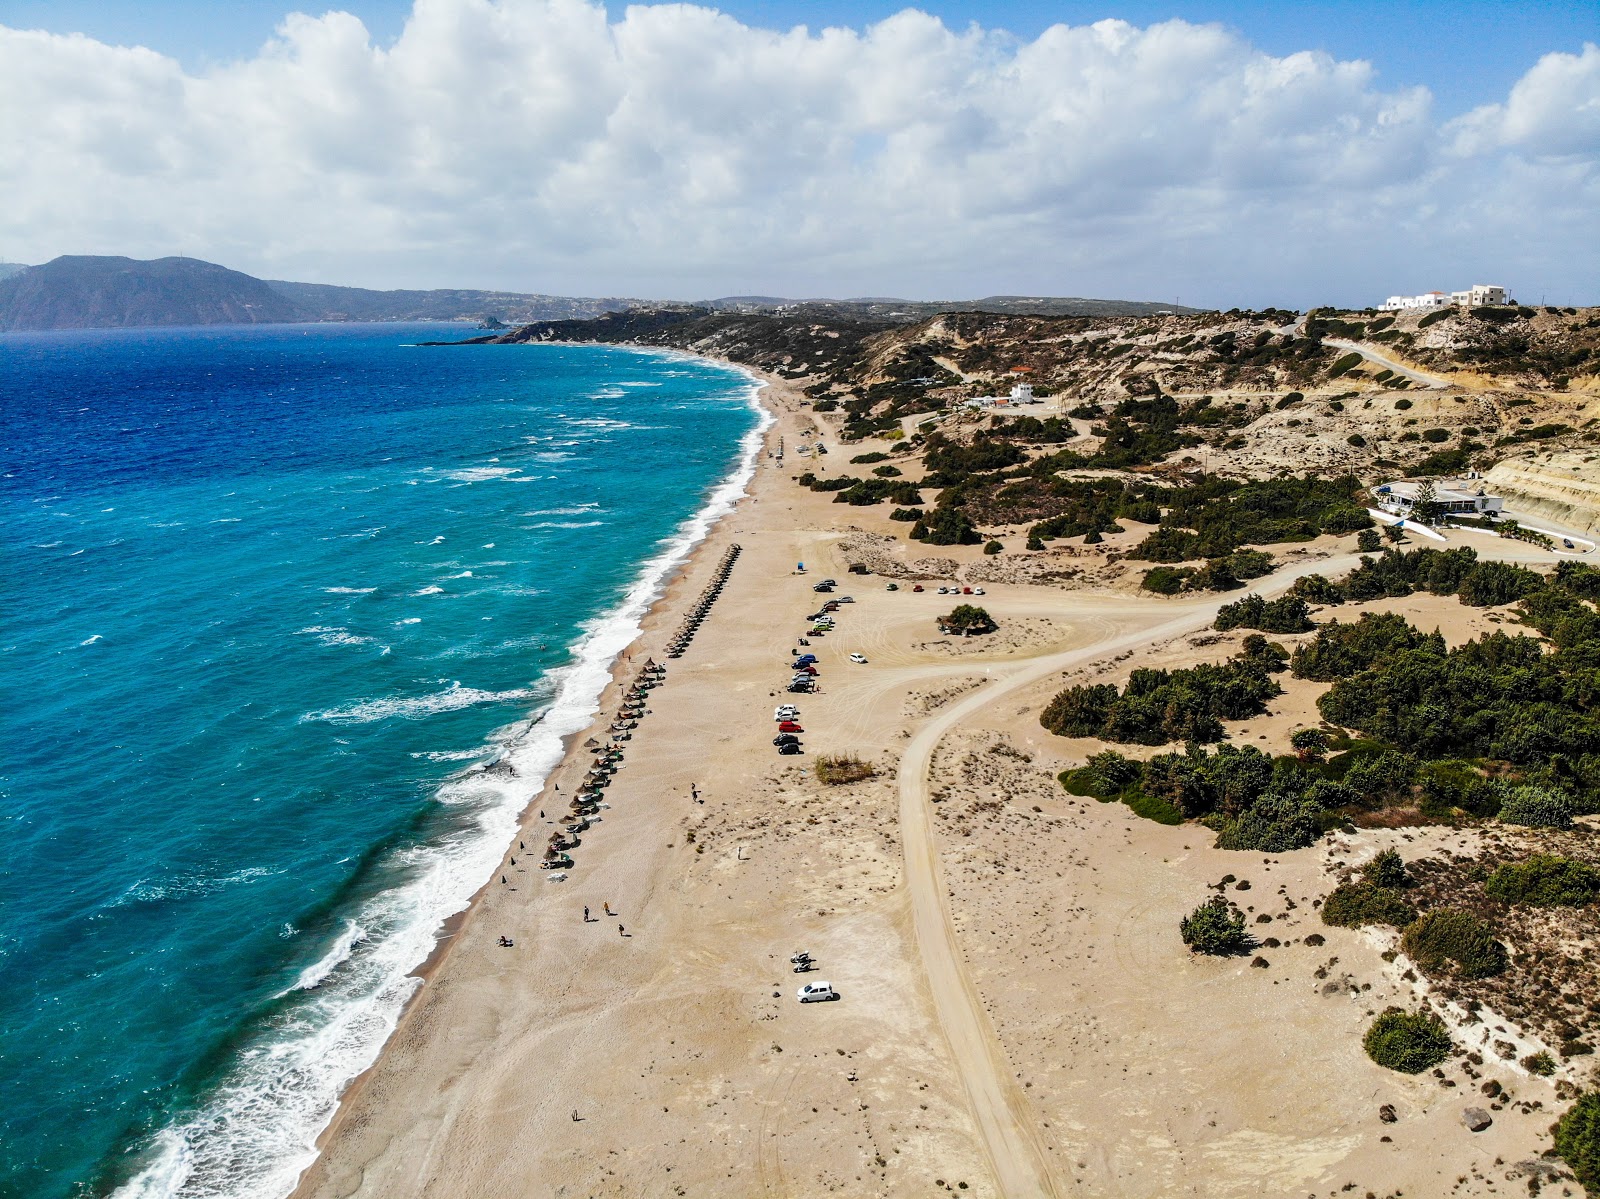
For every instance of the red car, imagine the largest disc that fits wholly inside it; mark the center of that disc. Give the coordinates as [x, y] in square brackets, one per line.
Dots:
[790, 726]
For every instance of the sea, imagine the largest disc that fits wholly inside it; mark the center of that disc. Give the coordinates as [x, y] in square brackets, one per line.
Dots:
[273, 598]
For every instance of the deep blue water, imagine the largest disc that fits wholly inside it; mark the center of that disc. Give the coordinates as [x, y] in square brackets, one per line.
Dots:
[270, 594]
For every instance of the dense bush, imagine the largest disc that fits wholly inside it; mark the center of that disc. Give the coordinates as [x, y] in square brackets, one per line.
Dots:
[1217, 516]
[1545, 880]
[1340, 650]
[1287, 615]
[1407, 1042]
[1158, 706]
[1536, 807]
[1355, 904]
[1489, 584]
[1315, 589]
[1275, 823]
[967, 618]
[1215, 927]
[910, 514]
[947, 526]
[1453, 940]
[1577, 1141]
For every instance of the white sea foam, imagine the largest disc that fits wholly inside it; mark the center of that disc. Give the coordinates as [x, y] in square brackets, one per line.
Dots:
[428, 591]
[410, 707]
[564, 524]
[333, 635]
[478, 474]
[409, 620]
[257, 1132]
[341, 949]
[89, 640]
[638, 385]
[574, 510]
[349, 590]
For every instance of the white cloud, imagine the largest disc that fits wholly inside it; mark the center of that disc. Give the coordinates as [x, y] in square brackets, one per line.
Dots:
[533, 144]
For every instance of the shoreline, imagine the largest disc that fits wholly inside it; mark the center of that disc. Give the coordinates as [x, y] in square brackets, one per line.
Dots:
[730, 491]
[521, 767]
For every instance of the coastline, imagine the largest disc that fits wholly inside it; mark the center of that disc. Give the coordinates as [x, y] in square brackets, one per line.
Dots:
[528, 757]
[668, 1056]
[654, 594]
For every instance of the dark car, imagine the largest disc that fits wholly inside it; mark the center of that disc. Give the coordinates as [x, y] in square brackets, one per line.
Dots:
[786, 739]
[790, 749]
[799, 687]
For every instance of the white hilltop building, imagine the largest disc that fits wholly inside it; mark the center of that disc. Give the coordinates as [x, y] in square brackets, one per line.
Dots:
[1451, 497]
[1479, 295]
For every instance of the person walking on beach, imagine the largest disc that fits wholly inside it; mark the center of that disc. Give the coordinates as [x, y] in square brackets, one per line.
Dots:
[621, 932]
[586, 913]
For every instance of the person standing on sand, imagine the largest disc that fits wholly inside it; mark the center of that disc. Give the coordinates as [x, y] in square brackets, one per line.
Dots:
[586, 913]
[620, 931]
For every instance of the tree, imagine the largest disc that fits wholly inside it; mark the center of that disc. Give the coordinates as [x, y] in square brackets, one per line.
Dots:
[1407, 1042]
[1578, 1140]
[1368, 541]
[967, 618]
[1215, 927]
[1426, 509]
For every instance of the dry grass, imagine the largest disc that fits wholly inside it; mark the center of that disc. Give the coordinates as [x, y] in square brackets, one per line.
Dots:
[837, 769]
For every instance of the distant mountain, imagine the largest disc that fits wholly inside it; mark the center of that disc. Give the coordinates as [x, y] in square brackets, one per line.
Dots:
[89, 292]
[329, 303]
[84, 292]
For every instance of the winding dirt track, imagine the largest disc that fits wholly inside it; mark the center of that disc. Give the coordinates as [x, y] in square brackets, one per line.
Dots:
[1011, 1140]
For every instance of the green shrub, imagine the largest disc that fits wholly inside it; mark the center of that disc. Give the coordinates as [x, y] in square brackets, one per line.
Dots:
[992, 547]
[907, 514]
[1577, 1140]
[1489, 584]
[1545, 880]
[1402, 405]
[1540, 1063]
[1275, 823]
[1435, 436]
[1449, 939]
[1163, 580]
[1356, 440]
[1315, 589]
[1388, 869]
[1287, 615]
[1344, 364]
[1153, 808]
[1536, 807]
[1368, 541]
[887, 472]
[1215, 927]
[1407, 1042]
[864, 459]
[1355, 904]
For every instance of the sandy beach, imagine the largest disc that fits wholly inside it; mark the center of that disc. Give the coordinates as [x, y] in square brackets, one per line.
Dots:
[1017, 1013]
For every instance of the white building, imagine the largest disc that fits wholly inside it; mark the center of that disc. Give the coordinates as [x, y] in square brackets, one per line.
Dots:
[1022, 393]
[1478, 295]
[1456, 498]
[1429, 299]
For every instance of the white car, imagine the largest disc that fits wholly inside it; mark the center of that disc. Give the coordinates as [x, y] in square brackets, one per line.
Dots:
[786, 712]
[859, 659]
[944, 591]
[979, 591]
[847, 599]
[816, 993]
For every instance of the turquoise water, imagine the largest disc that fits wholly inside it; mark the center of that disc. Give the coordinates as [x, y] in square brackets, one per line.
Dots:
[271, 596]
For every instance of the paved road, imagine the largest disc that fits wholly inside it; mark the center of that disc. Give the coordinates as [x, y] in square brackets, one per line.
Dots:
[1381, 359]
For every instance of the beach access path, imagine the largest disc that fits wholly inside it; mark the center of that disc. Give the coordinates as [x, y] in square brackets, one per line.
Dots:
[659, 1050]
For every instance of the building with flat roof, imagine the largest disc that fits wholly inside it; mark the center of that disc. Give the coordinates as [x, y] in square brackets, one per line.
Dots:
[1479, 295]
[1455, 497]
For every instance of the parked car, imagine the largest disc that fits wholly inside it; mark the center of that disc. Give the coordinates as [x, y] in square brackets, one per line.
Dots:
[979, 591]
[918, 587]
[797, 688]
[790, 726]
[966, 591]
[786, 739]
[805, 659]
[892, 587]
[823, 587]
[807, 669]
[845, 599]
[816, 993]
[859, 659]
[790, 749]
[831, 582]
[944, 591]
[785, 712]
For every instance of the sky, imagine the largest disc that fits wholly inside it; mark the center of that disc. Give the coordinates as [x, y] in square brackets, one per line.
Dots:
[1213, 154]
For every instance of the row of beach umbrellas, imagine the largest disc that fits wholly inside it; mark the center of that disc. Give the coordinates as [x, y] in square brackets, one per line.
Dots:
[702, 606]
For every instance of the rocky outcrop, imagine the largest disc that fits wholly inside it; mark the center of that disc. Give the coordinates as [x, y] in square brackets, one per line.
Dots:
[1563, 487]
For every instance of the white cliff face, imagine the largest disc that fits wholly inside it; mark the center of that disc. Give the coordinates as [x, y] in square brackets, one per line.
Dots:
[1563, 487]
